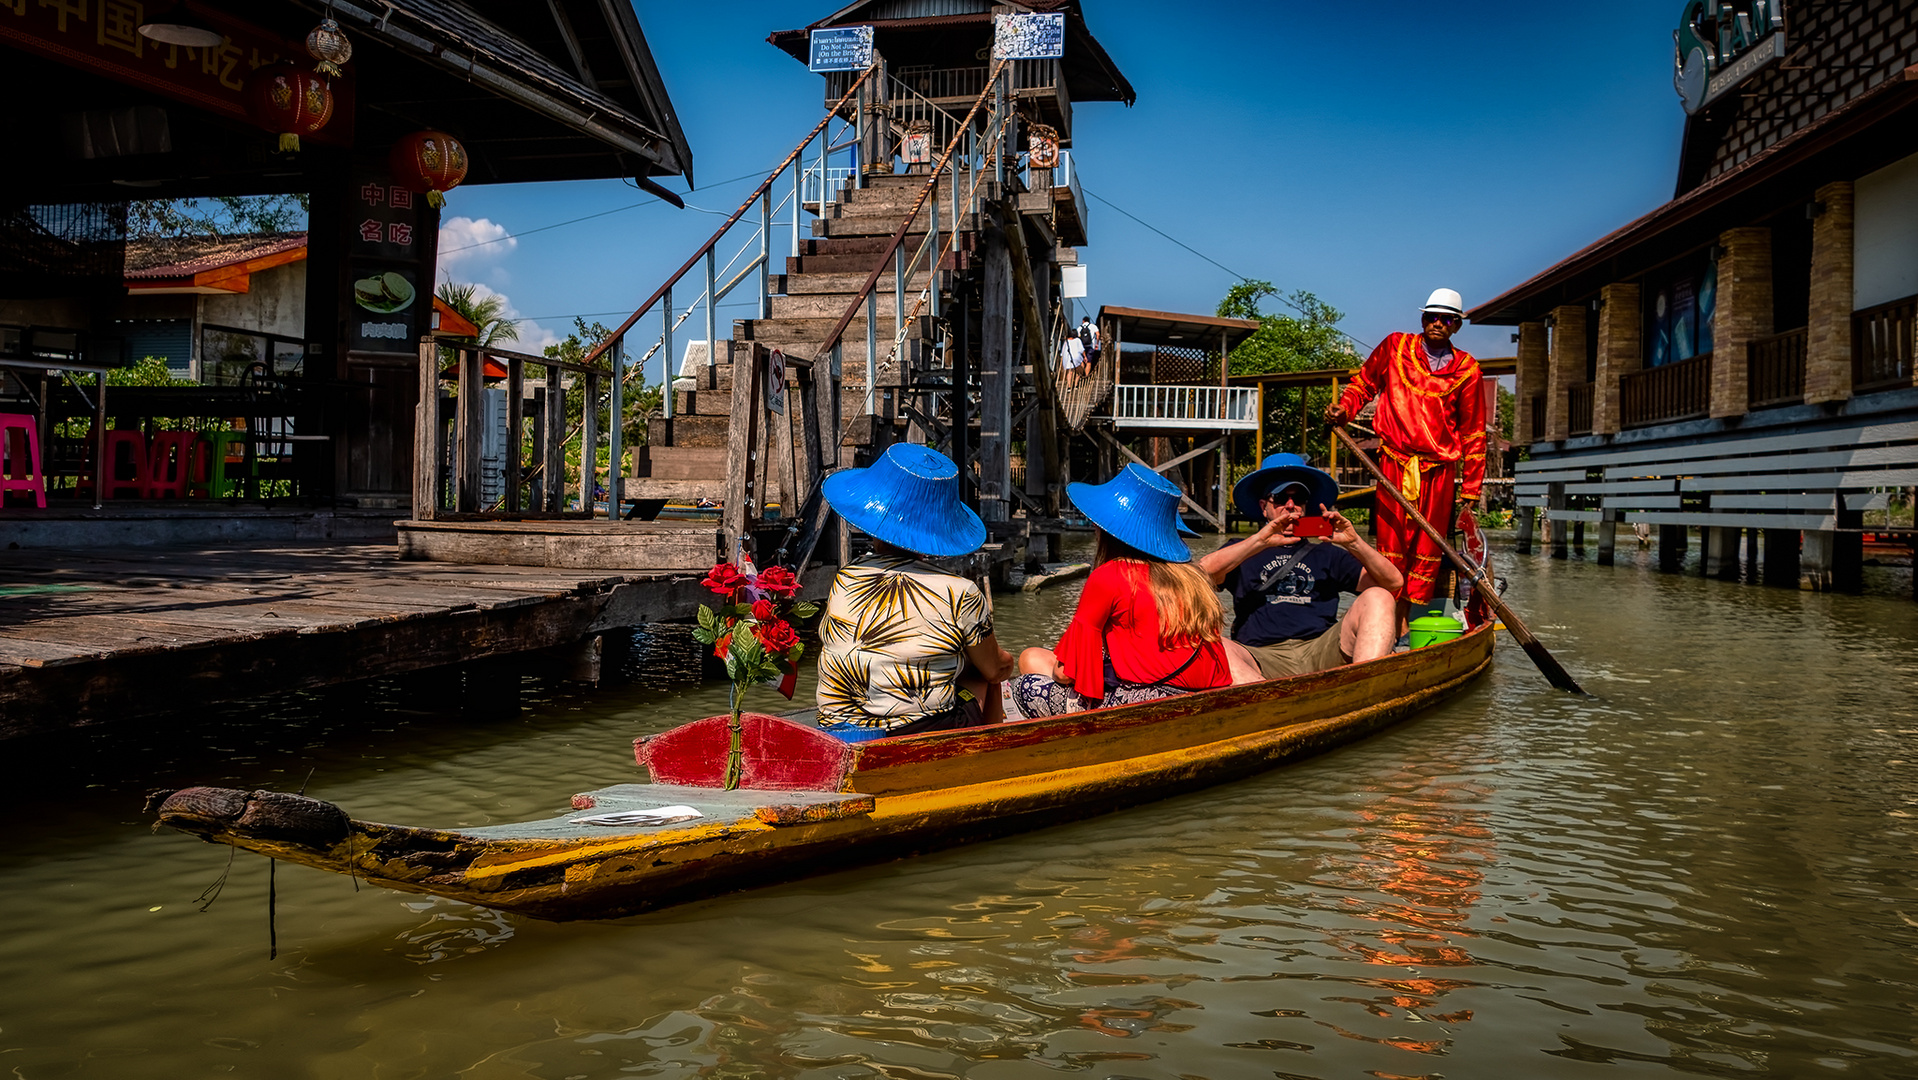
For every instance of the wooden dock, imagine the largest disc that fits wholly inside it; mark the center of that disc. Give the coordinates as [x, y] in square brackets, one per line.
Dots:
[110, 634]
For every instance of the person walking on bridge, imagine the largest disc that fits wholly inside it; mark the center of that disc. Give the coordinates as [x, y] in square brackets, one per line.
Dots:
[1431, 429]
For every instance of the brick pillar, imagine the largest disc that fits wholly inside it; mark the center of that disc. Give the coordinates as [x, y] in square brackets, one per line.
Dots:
[1530, 380]
[1743, 313]
[1621, 351]
[1828, 333]
[1564, 369]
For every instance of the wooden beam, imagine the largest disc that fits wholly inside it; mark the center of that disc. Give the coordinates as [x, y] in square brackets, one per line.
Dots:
[1184, 499]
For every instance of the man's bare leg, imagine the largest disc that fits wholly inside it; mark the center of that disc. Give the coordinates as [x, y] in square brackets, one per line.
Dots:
[1371, 625]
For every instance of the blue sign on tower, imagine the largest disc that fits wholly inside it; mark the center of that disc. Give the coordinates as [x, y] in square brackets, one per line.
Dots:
[841, 48]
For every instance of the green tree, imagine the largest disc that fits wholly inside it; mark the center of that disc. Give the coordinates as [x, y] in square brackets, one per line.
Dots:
[486, 312]
[1309, 340]
[216, 215]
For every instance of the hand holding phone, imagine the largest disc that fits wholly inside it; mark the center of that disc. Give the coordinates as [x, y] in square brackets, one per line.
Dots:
[1315, 525]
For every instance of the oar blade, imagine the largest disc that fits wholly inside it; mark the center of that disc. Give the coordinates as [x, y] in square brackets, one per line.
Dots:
[1549, 666]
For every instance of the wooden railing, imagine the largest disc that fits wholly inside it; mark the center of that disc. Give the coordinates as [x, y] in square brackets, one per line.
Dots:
[1538, 417]
[1673, 392]
[1776, 369]
[1580, 403]
[1882, 344]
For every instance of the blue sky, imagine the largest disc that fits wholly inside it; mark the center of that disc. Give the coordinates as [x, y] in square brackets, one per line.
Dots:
[1365, 152]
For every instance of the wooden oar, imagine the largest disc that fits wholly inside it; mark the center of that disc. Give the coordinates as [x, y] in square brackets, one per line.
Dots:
[1553, 671]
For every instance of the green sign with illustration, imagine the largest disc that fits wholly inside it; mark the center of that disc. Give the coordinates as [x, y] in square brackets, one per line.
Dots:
[1721, 43]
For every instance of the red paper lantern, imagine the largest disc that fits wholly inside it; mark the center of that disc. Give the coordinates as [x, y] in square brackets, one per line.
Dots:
[429, 161]
[289, 100]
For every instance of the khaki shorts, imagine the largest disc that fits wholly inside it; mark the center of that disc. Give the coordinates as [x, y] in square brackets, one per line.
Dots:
[1300, 656]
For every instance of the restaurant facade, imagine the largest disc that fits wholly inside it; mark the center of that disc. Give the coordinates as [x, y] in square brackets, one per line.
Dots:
[1739, 360]
[373, 114]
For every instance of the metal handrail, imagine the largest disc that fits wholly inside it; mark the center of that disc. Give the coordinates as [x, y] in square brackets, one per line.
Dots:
[733, 219]
[862, 296]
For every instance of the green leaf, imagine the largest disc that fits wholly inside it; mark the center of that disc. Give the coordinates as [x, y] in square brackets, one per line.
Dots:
[793, 654]
[735, 670]
[706, 620]
[805, 609]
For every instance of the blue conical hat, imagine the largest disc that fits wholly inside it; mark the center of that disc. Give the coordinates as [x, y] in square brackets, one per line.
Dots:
[1138, 508]
[909, 498]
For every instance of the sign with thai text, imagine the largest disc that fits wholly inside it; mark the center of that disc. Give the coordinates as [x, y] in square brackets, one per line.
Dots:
[840, 48]
[1029, 37]
[103, 36]
[1721, 43]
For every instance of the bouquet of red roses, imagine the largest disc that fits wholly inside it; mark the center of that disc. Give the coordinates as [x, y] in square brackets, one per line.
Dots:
[750, 631]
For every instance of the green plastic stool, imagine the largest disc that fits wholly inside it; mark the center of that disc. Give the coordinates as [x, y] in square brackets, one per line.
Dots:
[220, 483]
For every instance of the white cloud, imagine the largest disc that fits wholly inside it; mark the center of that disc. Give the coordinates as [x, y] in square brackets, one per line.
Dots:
[465, 240]
[533, 338]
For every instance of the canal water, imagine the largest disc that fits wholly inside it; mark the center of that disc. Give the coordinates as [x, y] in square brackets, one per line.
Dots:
[1705, 869]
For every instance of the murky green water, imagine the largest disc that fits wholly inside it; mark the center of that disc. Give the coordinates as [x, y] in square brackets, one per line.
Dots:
[1708, 869]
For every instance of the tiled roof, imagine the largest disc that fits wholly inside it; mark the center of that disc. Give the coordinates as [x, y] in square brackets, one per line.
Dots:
[183, 257]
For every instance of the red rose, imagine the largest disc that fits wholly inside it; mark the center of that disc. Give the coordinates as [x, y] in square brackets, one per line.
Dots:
[777, 580]
[724, 579]
[763, 610]
[777, 636]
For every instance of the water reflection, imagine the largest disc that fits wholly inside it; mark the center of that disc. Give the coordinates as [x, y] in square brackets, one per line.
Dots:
[1704, 870]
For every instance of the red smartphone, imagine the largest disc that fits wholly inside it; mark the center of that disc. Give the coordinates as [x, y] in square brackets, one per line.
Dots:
[1312, 526]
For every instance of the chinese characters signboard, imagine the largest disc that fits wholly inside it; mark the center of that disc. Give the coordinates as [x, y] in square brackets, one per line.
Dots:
[102, 36]
[843, 48]
[388, 260]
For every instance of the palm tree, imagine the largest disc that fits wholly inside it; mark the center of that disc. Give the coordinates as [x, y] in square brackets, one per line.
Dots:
[487, 313]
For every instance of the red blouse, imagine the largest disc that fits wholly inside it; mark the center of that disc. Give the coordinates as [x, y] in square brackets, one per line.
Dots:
[1116, 610]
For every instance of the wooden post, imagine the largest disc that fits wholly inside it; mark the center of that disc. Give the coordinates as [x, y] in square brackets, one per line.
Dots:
[1607, 537]
[744, 452]
[588, 443]
[1672, 542]
[466, 463]
[1781, 558]
[426, 435]
[615, 429]
[552, 480]
[961, 363]
[995, 379]
[515, 422]
[1555, 500]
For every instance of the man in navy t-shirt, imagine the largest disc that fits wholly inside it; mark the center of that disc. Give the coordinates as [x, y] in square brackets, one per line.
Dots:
[1286, 588]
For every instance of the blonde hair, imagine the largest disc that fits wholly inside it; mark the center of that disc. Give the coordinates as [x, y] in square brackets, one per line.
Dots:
[1188, 603]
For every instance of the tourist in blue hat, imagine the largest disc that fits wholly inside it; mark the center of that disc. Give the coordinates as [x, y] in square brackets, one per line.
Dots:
[1147, 625]
[1286, 585]
[906, 648]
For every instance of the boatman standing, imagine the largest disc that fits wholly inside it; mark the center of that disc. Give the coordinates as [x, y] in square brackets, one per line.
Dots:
[1431, 428]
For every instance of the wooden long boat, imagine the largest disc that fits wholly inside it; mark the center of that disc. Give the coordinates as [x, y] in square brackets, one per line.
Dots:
[808, 802]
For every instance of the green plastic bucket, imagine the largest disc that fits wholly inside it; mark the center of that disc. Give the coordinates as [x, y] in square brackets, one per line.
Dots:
[1433, 629]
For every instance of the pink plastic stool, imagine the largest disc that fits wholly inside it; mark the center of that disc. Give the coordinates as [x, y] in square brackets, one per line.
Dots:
[20, 442]
[108, 470]
[170, 464]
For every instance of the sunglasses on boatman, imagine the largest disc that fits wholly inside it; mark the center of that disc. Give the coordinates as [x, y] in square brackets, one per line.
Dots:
[1449, 320]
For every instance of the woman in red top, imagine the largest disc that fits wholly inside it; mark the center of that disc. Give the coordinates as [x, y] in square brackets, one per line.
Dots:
[1148, 622]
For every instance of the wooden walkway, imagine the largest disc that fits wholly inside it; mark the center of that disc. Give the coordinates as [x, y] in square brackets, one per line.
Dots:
[97, 635]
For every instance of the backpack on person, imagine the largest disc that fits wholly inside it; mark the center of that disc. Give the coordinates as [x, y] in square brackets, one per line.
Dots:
[1087, 341]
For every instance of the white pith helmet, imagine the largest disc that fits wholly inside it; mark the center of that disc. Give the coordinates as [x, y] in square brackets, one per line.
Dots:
[1445, 302]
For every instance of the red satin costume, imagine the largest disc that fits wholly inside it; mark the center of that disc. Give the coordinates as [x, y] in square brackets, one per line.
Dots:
[1431, 427]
